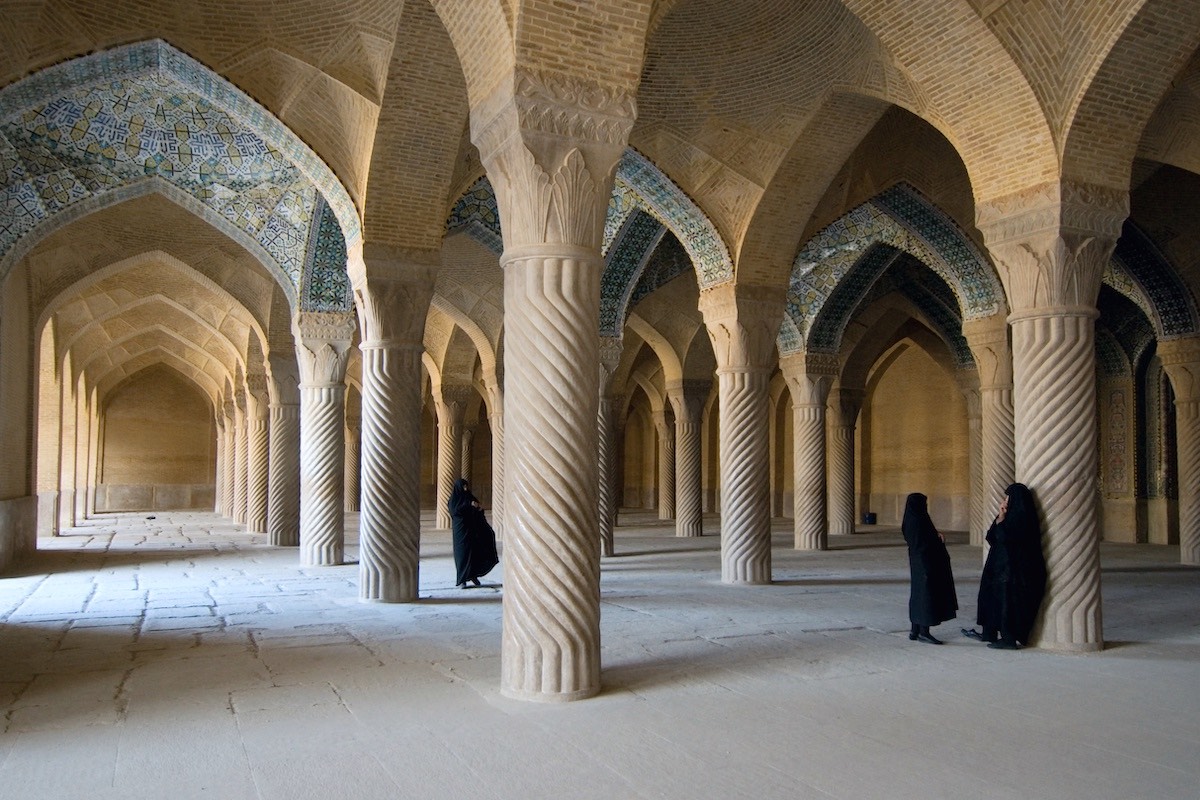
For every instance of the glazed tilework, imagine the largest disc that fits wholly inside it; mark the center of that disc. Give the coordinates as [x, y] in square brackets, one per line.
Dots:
[476, 213]
[668, 261]
[1127, 322]
[902, 220]
[1174, 308]
[624, 266]
[326, 284]
[90, 126]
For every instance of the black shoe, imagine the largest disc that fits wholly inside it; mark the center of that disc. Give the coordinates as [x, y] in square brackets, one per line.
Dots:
[1001, 644]
[971, 633]
[912, 637]
[476, 582]
[928, 638]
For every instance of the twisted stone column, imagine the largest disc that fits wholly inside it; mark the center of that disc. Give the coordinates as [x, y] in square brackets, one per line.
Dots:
[227, 467]
[742, 323]
[666, 465]
[844, 405]
[1051, 245]
[611, 348]
[1181, 360]
[450, 408]
[257, 449]
[392, 290]
[218, 488]
[550, 146]
[809, 377]
[352, 463]
[241, 459]
[283, 475]
[977, 507]
[687, 399]
[322, 351]
[496, 421]
[988, 340]
[468, 451]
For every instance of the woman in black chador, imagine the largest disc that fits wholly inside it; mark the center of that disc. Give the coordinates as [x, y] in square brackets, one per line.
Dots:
[931, 600]
[474, 539]
[1014, 574]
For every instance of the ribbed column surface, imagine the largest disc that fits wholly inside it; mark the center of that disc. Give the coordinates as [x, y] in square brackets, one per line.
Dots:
[1055, 390]
[322, 531]
[841, 479]
[227, 472]
[449, 452]
[551, 645]
[607, 464]
[257, 448]
[239, 473]
[689, 519]
[283, 477]
[977, 506]
[810, 525]
[745, 477]
[498, 489]
[666, 471]
[350, 470]
[390, 521]
[1187, 432]
[999, 453]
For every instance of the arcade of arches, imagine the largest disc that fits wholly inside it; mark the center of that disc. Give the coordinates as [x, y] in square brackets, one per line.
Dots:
[759, 258]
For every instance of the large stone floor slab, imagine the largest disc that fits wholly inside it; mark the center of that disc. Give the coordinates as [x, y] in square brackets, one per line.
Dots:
[178, 657]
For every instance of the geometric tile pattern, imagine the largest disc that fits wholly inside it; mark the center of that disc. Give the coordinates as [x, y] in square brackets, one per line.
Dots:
[326, 284]
[668, 261]
[628, 253]
[1173, 307]
[1127, 325]
[477, 214]
[904, 221]
[87, 128]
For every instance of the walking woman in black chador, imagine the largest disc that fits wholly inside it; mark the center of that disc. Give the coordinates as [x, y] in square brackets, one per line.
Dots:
[1014, 573]
[474, 539]
[931, 600]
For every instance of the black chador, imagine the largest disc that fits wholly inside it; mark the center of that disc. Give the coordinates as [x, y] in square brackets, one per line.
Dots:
[474, 539]
[931, 599]
[1014, 574]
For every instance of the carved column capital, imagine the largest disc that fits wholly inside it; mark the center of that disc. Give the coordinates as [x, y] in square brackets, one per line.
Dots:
[1051, 242]
[688, 398]
[845, 403]
[743, 324]
[1181, 361]
[258, 396]
[611, 348]
[323, 341]
[284, 379]
[452, 402]
[988, 339]
[392, 291]
[809, 376]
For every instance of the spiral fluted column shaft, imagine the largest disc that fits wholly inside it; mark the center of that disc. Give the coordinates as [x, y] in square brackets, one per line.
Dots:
[390, 521]
[1187, 432]
[977, 507]
[810, 525]
[998, 450]
[467, 454]
[283, 476]
[606, 424]
[227, 470]
[666, 470]
[322, 457]
[551, 647]
[257, 447]
[218, 474]
[1055, 391]
[841, 479]
[745, 476]
[498, 489]
[448, 462]
[239, 470]
[352, 468]
[689, 519]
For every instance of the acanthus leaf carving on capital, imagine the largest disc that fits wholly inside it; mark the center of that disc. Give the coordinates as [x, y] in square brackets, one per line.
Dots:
[323, 340]
[257, 396]
[988, 339]
[284, 384]
[743, 324]
[392, 291]
[810, 376]
[688, 398]
[453, 401]
[845, 403]
[611, 348]
[562, 203]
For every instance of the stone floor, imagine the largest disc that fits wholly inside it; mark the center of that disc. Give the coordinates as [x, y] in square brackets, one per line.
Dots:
[178, 657]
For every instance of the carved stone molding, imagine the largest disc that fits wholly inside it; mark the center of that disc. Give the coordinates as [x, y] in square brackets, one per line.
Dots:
[284, 375]
[1181, 361]
[392, 291]
[257, 396]
[809, 377]
[1053, 207]
[743, 324]
[988, 339]
[323, 341]
[611, 348]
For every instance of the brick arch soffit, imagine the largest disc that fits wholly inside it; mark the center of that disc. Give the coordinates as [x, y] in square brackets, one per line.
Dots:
[163, 259]
[173, 361]
[668, 359]
[644, 206]
[487, 357]
[168, 335]
[903, 220]
[81, 135]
